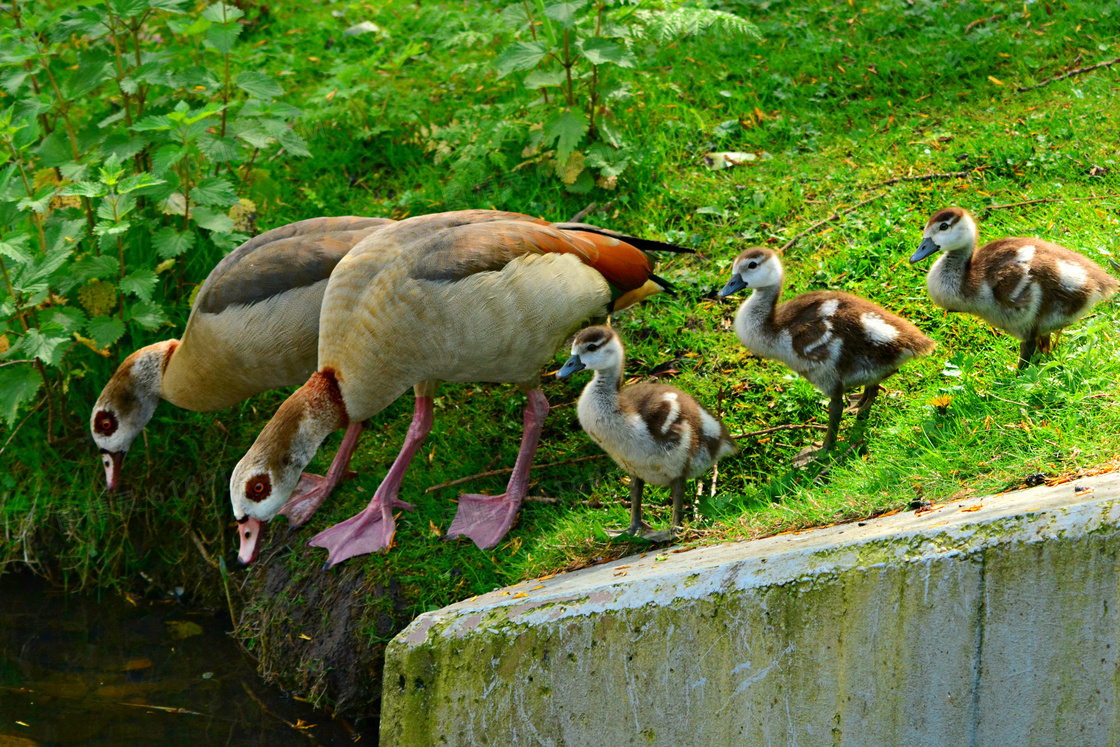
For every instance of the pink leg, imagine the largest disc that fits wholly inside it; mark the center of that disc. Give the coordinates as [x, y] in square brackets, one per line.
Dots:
[312, 490]
[487, 518]
[372, 529]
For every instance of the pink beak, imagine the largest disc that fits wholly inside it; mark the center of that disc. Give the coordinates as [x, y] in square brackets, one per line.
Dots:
[249, 531]
[112, 461]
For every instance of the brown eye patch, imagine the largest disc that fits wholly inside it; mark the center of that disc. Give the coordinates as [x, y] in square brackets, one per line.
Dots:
[258, 488]
[105, 423]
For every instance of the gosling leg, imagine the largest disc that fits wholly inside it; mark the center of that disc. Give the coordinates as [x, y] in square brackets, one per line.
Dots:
[835, 412]
[863, 407]
[1026, 350]
[677, 488]
[637, 527]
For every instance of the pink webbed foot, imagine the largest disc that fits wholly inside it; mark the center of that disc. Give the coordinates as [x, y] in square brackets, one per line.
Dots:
[371, 530]
[485, 519]
[310, 492]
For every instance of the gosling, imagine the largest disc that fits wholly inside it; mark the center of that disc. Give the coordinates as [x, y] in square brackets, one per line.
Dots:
[658, 434]
[835, 340]
[1028, 288]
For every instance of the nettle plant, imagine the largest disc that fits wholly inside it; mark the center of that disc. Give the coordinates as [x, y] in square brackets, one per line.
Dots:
[129, 155]
[575, 54]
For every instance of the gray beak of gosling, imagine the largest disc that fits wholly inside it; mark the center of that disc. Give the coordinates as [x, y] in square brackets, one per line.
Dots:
[927, 248]
[574, 364]
[734, 285]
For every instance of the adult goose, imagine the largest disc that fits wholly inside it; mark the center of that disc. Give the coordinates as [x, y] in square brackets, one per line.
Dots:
[658, 434]
[1029, 288]
[476, 295]
[254, 326]
[835, 340]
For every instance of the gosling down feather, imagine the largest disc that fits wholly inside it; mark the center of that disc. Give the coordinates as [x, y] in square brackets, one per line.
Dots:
[476, 295]
[254, 326]
[1028, 288]
[658, 434]
[835, 340]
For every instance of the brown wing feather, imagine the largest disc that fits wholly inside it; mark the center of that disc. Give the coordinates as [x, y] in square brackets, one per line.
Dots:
[292, 256]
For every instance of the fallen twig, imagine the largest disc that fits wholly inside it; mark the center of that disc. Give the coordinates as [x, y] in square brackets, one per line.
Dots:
[507, 470]
[1070, 74]
[923, 178]
[583, 213]
[775, 429]
[265, 709]
[834, 216]
[980, 22]
[1047, 199]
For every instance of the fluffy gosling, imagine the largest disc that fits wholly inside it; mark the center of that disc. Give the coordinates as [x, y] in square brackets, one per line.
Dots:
[835, 340]
[1028, 288]
[658, 434]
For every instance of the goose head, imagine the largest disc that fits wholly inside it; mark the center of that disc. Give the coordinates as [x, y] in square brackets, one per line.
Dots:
[949, 230]
[756, 267]
[265, 478]
[598, 348]
[126, 405]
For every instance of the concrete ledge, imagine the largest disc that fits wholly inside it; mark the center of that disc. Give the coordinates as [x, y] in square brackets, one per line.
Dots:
[990, 621]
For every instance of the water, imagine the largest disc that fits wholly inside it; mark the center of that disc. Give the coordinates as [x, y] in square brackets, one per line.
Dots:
[75, 670]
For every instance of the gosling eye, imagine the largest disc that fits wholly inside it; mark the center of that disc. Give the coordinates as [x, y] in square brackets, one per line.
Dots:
[594, 346]
[752, 265]
[943, 227]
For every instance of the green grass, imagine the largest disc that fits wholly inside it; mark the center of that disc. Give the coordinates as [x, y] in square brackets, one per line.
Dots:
[836, 100]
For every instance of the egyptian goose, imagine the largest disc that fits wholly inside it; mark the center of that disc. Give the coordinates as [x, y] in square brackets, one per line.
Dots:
[835, 340]
[475, 295]
[1027, 287]
[254, 326]
[657, 433]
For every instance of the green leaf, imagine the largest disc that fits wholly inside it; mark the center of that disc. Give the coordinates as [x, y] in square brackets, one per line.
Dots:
[166, 157]
[258, 84]
[222, 37]
[148, 315]
[169, 243]
[137, 181]
[599, 51]
[128, 8]
[667, 25]
[293, 143]
[567, 129]
[218, 149]
[222, 13]
[16, 248]
[171, 6]
[214, 191]
[564, 13]
[212, 220]
[519, 56]
[68, 318]
[44, 343]
[541, 78]
[94, 266]
[140, 283]
[64, 233]
[85, 189]
[104, 330]
[91, 71]
[156, 122]
[18, 385]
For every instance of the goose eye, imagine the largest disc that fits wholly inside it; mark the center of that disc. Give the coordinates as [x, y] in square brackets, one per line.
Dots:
[105, 423]
[944, 227]
[594, 346]
[752, 265]
[258, 488]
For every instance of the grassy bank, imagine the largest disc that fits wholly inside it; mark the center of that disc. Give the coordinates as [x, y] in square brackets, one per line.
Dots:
[841, 104]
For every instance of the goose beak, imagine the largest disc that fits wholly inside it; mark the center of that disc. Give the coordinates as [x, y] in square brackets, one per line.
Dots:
[927, 248]
[249, 531]
[574, 364]
[112, 461]
[734, 285]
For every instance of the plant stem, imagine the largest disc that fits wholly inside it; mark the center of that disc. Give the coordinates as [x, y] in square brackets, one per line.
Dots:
[120, 65]
[568, 68]
[35, 217]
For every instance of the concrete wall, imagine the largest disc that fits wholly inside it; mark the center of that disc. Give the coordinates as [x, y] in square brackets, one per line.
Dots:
[961, 626]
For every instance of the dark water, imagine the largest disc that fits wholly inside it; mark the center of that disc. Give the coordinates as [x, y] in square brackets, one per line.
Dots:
[75, 670]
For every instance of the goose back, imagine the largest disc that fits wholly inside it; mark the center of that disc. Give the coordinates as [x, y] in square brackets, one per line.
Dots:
[255, 322]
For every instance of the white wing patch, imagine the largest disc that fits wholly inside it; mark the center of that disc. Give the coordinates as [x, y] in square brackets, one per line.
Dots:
[709, 425]
[828, 308]
[1025, 255]
[1072, 275]
[674, 411]
[878, 329]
